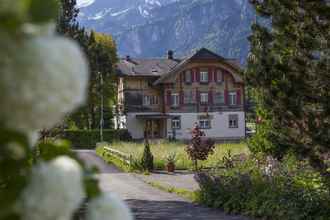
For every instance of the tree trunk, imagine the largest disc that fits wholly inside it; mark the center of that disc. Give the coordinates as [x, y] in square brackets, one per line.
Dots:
[195, 165]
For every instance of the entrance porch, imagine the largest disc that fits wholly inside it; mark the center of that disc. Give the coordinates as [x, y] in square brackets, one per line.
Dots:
[155, 125]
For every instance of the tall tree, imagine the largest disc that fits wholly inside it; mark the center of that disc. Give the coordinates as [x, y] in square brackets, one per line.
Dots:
[101, 53]
[289, 70]
[67, 20]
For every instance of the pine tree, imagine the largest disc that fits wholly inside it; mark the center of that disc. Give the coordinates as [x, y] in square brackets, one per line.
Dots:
[147, 161]
[289, 70]
[67, 20]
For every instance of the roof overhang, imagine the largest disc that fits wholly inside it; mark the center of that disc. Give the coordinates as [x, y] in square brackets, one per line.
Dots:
[154, 116]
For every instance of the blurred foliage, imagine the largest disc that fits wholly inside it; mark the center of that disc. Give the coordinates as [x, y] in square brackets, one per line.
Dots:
[291, 191]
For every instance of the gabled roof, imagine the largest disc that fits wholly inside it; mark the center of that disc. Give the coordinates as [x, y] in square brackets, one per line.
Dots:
[202, 54]
[163, 68]
[145, 67]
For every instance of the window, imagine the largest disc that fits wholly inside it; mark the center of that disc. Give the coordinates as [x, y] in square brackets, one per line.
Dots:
[188, 97]
[175, 99]
[219, 98]
[204, 98]
[176, 123]
[188, 76]
[146, 100]
[154, 100]
[204, 76]
[232, 98]
[150, 100]
[219, 76]
[204, 124]
[233, 121]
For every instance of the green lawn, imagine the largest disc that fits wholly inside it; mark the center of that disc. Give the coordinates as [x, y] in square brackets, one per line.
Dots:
[163, 148]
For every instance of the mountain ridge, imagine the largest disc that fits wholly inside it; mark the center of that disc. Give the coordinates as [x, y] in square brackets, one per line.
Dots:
[181, 25]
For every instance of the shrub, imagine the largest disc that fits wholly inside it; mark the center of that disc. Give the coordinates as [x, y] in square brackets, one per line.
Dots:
[147, 161]
[51, 149]
[89, 138]
[199, 148]
[294, 191]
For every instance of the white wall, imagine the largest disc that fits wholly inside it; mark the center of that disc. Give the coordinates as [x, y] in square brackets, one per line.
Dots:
[219, 125]
[135, 126]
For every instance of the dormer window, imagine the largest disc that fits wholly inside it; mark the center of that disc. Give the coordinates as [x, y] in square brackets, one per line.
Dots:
[204, 76]
[187, 76]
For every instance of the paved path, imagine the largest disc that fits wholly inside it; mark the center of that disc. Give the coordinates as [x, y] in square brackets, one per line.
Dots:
[146, 202]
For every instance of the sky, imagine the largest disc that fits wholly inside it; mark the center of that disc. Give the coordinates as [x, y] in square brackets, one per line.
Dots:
[84, 3]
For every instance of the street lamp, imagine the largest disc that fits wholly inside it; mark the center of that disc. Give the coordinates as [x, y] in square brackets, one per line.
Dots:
[102, 106]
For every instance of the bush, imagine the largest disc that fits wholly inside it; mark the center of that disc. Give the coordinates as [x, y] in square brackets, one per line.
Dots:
[147, 161]
[199, 148]
[89, 138]
[292, 191]
[51, 149]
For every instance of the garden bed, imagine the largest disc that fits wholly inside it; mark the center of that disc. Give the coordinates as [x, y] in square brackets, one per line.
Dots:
[162, 149]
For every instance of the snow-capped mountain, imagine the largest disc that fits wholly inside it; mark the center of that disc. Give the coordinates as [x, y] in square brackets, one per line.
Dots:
[148, 28]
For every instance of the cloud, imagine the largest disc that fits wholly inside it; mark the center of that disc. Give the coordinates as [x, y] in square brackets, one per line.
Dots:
[84, 3]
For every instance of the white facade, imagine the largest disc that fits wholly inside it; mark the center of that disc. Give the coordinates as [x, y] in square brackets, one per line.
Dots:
[219, 125]
[219, 122]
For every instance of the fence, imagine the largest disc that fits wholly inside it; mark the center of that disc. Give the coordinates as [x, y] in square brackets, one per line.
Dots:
[125, 158]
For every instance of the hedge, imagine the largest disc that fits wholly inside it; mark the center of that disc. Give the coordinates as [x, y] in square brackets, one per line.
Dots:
[88, 138]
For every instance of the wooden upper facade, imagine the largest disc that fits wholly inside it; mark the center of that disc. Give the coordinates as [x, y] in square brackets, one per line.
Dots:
[203, 82]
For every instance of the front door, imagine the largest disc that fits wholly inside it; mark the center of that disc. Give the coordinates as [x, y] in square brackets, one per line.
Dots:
[154, 128]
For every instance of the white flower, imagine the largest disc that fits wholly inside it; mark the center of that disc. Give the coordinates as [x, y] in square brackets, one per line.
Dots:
[41, 79]
[108, 207]
[55, 191]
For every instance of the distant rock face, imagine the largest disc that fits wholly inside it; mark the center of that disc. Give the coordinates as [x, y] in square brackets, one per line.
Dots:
[148, 28]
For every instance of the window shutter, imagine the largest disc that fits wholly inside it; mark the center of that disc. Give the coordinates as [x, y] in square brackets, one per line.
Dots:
[168, 97]
[238, 95]
[215, 75]
[210, 74]
[226, 96]
[198, 96]
[223, 75]
[198, 75]
[192, 72]
[184, 76]
[211, 97]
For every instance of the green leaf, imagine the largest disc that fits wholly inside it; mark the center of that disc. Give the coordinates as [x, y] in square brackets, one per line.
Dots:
[42, 11]
[13, 13]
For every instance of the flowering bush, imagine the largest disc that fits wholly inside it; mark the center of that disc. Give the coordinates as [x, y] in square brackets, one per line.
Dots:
[199, 148]
[42, 78]
[264, 188]
[108, 206]
[55, 191]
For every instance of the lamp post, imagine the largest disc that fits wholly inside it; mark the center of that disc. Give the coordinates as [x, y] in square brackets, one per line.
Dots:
[102, 106]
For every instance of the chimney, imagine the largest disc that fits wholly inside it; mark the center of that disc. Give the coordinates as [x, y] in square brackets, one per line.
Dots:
[128, 58]
[170, 54]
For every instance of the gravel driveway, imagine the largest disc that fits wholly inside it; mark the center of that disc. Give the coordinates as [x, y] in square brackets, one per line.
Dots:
[145, 201]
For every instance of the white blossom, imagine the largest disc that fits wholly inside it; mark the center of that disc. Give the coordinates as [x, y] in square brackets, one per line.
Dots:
[41, 79]
[54, 192]
[108, 207]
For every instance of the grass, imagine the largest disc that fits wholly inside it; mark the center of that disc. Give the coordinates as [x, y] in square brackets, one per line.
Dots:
[162, 149]
[112, 160]
[189, 195]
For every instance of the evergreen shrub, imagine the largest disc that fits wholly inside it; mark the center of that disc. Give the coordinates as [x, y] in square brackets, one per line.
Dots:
[147, 161]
